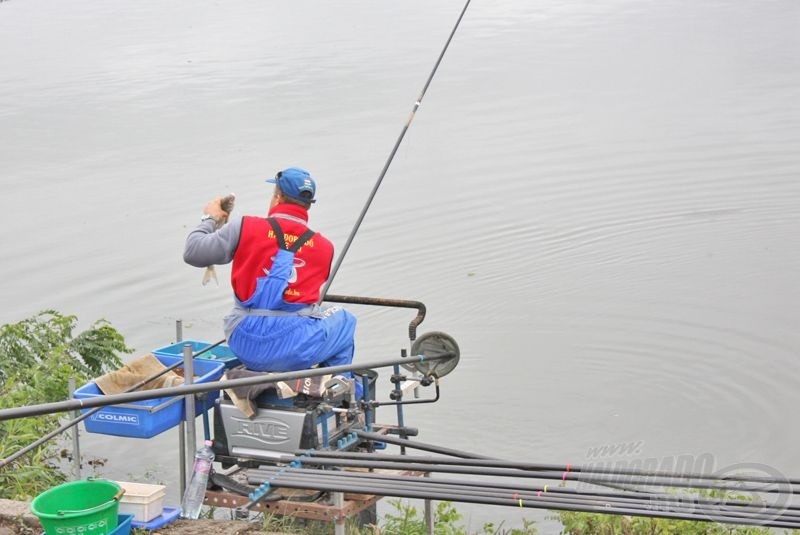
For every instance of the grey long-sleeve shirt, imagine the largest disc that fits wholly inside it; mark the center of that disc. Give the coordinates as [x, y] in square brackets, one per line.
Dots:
[207, 245]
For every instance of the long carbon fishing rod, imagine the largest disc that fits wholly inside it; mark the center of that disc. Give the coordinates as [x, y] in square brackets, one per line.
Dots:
[196, 388]
[557, 469]
[466, 492]
[643, 507]
[492, 487]
[469, 458]
[82, 417]
[397, 441]
[480, 460]
[411, 116]
[530, 474]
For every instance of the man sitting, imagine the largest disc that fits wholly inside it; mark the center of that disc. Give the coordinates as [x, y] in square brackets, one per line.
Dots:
[279, 267]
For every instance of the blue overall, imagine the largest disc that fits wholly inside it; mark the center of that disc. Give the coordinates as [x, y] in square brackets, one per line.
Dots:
[270, 334]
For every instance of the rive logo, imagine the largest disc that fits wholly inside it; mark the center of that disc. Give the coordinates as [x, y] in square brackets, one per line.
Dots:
[116, 418]
[267, 431]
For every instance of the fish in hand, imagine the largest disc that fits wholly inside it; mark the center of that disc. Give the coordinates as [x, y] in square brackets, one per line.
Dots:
[226, 203]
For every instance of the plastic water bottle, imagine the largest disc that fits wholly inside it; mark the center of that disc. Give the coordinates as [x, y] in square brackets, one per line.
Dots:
[196, 491]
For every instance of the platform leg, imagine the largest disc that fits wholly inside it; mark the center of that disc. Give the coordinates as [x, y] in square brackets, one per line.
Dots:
[429, 512]
[191, 432]
[340, 526]
[76, 444]
[181, 426]
[182, 455]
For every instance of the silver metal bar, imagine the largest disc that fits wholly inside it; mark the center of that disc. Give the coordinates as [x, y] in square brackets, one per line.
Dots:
[191, 437]
[182, 456]
[428, 511]
[76, 445]
[181, 426]
[340, 524]
[103, 401]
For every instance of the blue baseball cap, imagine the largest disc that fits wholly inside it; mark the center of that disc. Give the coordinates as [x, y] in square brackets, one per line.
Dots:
[293, 181]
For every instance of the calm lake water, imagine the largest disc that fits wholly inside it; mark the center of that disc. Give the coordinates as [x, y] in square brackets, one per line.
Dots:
[598, 200]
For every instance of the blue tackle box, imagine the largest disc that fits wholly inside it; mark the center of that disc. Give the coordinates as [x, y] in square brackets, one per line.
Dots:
[169, 515]
[220, 353]
[147, 418]
[124, 523]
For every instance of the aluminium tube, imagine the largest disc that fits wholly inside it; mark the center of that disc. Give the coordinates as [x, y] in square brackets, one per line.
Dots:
[103, 401]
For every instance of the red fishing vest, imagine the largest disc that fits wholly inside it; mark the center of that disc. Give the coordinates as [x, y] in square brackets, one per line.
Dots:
[257, 246]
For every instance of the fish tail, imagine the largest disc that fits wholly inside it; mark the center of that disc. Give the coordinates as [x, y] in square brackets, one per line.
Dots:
[209, 274]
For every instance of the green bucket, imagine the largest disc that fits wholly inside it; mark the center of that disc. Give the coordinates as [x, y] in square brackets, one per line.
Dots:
[81, 507]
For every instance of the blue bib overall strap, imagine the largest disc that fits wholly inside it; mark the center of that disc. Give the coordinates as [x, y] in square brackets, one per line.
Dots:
[267, 299]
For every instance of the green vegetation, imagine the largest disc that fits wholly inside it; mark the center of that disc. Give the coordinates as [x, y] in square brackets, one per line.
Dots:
[37, 358]
[406, 520]
[445, 519]
[576, 523]
[600, 524]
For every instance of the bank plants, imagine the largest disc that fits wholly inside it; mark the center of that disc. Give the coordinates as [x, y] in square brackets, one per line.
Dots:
[577, 523]
[38, 356]
[598, 524]
[404, 519]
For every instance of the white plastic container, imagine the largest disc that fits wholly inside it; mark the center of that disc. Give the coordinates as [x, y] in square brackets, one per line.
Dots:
[142, 500]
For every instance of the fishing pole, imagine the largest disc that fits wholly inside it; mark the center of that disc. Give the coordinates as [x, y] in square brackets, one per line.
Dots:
[387, 485]
[405, 128]
[82, 417]
[494, 487]
[559, 469]
[528, 474]
[545, 501]
[196, 388]
[416, 445]
[556, 468]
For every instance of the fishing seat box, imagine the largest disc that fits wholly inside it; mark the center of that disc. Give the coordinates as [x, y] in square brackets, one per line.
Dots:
[149, 417]
[142, 500]
[220, 353]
